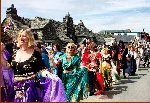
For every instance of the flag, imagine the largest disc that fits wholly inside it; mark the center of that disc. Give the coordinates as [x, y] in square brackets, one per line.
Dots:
[145, 36]
[7, 27]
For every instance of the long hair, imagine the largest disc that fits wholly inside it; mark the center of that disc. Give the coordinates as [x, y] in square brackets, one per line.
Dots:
[29, 35]
[93, 46]
[57, 47]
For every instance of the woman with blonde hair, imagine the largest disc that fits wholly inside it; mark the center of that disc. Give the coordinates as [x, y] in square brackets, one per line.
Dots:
[131, 60]
[107, 64]
[26, 63]
[74, 76]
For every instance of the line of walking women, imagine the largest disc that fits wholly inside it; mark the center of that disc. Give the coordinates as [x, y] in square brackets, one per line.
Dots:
[77, 71]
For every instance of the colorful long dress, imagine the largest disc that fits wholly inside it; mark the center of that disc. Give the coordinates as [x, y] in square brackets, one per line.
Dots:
[58, 71]
[53, 89]
[94, 76]
[32, 89]
[106, 71]
[7, 81]
[75, 80]
[85, 57]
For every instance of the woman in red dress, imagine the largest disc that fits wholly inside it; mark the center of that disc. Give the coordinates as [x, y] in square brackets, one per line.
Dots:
[92, 60]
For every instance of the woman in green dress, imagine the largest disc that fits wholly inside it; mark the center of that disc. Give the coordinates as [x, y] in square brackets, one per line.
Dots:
[75, 77]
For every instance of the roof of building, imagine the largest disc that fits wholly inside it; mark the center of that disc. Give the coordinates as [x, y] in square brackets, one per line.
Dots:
[124, 38]
[115, 31]
[39, 23]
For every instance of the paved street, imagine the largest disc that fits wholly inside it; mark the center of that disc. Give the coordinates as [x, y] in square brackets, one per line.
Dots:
[132, 89]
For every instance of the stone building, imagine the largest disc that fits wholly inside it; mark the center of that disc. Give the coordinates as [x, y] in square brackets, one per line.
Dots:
[45, 30]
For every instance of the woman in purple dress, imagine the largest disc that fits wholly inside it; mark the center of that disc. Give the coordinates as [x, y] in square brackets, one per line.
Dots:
[7, 76]
[27, 65]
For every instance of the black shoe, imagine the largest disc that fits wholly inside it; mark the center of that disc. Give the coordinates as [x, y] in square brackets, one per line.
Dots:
[144, 65]
[91, 93]
[133, 74]
[124, 77]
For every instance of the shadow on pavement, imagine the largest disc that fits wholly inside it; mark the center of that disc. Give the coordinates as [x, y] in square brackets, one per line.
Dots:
[122, 88]
[125, 81]
[140, 69]
[133, 77]
[109, 95]
[142, 74]
[115, 91]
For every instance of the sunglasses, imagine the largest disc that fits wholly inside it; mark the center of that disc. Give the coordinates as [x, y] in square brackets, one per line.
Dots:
[71, 47]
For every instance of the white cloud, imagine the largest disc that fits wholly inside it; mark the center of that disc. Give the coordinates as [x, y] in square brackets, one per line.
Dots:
[96, 14]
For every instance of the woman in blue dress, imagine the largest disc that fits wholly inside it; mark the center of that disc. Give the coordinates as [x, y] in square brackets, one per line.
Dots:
[55, 57]
[75, 77]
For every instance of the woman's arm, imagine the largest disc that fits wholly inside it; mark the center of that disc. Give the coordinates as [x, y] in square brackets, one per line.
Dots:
[100, 65]
[4, 62]
[112, 62]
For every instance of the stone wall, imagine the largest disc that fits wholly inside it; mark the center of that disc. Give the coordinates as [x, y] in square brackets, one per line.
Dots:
[46, 29]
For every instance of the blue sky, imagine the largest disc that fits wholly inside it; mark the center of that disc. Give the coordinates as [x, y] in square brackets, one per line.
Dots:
[97, 15]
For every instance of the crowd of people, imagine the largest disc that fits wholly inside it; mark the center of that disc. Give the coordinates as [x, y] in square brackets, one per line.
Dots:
[76, 73]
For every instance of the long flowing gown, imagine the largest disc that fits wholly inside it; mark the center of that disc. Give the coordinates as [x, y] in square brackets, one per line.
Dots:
[106, 71]
[98, 80]
[76, 80]
[58, 71]
[32, 89]
[53, 89]
[7, 80]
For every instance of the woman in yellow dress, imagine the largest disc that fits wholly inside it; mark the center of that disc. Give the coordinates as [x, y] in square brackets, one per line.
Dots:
[107, 63]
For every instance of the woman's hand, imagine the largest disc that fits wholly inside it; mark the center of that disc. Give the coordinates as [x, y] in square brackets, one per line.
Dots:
[50, 70]
[58, 63]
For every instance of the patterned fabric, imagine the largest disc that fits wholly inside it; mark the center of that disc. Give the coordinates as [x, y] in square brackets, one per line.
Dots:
[28, 67]
[26, 91]
[56, 56]
[75, 81]
[94, 61]
[45, 59]
[36, 91]
[37, 88]
[106, 71]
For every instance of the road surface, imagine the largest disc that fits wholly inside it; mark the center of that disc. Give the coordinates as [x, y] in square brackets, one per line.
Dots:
[132, 89]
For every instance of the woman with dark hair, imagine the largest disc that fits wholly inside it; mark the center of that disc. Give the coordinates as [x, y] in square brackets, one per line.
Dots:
[116, 56]
[7, 76]
[93, 69]
[44, 54]
[124, 51]
[55, 57]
